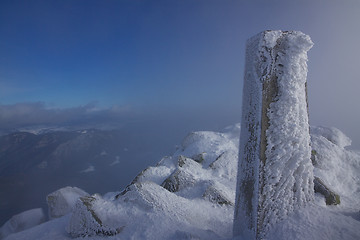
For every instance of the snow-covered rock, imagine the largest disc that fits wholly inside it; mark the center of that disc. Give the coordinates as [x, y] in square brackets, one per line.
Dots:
[22, 221]
[184, 176]
[331, 198]
[333, 135]
[85, 220]
[146, 211]
[216, 194]
[62, 201]
[195, 174]
[336, 166]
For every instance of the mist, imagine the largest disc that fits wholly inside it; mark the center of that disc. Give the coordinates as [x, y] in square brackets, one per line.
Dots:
[139, 139]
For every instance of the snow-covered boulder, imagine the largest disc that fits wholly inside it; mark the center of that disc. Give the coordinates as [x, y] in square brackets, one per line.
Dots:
[22, 221]
[184, 176]
[331, 198]
[216, 193]
[333, 135]
[62, 201]
[209, 144]
[337, 167]
[225, 166]
[147, 211]
[85, 220]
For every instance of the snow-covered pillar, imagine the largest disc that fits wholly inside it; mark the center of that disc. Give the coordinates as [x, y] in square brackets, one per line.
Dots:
[275, 174]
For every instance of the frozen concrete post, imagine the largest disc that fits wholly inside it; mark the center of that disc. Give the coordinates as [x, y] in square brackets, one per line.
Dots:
[275, 174]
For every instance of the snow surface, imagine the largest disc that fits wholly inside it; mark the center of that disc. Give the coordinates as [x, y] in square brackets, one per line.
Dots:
[22, 221]
[146, 210]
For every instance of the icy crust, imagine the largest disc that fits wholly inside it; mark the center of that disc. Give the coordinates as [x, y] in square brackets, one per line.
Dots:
[274, 152]
[146, 210]
[249, 149]
[287, 175]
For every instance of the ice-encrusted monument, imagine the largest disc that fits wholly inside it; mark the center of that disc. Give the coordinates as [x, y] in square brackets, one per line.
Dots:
[275, 174]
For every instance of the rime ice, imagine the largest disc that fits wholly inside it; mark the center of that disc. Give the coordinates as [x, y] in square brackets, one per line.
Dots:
[275, 175]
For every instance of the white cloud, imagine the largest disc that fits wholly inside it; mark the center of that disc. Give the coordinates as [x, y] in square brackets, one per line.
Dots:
[22, 115]
[89, 169]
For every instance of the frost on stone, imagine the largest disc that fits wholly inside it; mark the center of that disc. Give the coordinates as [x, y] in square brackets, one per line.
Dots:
[275, 174]
[199, 157]
[216, 193]
[335, 165]
[183, 176]
[204, 147]
[225, 166]
[22, 221]
[331, 198]
[62, 201]
[85, 221]
[177, 181]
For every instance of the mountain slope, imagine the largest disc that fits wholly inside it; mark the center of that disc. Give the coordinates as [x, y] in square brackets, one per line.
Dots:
[33, 165]
[190, 195]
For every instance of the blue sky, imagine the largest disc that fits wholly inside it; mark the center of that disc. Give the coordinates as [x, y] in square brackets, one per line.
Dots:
[68, 53]
[169, 55]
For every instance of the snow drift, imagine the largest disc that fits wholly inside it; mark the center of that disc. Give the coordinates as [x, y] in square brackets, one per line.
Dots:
[22, 221]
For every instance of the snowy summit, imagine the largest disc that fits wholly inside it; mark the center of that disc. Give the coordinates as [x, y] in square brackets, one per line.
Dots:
[191, 194]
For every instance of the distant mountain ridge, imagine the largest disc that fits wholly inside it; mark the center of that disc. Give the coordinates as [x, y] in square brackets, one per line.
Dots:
[32, 164]
[15, 147]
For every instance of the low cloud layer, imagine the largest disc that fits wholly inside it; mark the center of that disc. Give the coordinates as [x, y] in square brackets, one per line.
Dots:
[22, 115]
